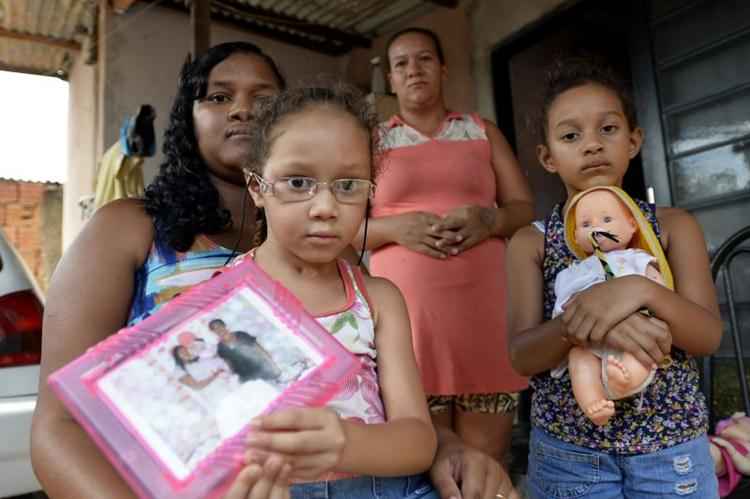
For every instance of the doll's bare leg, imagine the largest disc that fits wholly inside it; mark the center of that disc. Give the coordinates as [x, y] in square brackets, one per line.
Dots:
[586, 377]
[625, 374]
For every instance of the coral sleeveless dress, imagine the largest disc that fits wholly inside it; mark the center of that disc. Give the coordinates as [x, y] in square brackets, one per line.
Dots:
[457, 306]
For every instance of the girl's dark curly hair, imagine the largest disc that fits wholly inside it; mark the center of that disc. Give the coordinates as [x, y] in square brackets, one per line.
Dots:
[572, 72]
[181, 200]
[269, 113]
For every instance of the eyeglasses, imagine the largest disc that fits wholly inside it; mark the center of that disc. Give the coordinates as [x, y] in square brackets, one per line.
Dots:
[296, 189]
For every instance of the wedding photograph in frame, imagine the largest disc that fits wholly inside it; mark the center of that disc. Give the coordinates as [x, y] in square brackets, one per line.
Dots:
[169, 399]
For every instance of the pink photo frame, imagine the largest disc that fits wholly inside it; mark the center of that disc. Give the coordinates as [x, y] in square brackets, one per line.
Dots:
[168, 400]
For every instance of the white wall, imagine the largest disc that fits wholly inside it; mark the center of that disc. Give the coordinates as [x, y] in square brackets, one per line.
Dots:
[144, 50]
[82, 132]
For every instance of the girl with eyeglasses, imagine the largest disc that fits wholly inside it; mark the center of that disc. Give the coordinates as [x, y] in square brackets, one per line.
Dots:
[312, 184]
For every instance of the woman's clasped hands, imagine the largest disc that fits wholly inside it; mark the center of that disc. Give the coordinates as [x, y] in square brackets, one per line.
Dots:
[448, 235]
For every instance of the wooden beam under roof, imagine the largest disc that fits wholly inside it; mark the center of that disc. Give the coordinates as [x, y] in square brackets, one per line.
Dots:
[286, 29]
[121, 6]
[200, 22]
[290, 22]
[46, 40]
[15, 68]
[449, 4]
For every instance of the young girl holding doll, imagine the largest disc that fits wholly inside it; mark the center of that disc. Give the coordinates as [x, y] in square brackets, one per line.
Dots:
[656, 444]
[314, 183]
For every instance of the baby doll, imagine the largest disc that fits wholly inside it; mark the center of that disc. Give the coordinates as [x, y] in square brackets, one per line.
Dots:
[607, 231]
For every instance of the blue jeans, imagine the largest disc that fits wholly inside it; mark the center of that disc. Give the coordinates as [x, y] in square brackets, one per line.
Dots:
[558, 469]
[366, 487]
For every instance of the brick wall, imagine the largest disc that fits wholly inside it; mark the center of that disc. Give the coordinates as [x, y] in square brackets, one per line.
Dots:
[24, 207]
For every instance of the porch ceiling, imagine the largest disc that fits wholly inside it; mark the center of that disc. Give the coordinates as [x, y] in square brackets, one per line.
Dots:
[329, 26]
[43, 36]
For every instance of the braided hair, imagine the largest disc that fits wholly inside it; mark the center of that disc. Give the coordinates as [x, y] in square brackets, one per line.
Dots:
[182, 200]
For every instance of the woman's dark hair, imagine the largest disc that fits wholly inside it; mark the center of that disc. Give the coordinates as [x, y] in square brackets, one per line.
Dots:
[181, 200]
[272, 111]
[573, 72]
[177, 359]
[421, 31]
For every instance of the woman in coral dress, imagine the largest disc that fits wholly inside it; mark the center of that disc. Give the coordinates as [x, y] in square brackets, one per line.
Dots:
[450, 191]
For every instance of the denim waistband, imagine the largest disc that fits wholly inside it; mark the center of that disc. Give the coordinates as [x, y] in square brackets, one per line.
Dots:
[365, 487]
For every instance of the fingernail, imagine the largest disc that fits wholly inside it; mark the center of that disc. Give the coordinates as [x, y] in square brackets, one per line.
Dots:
[459, 238]
[454, 251]
[256, 423]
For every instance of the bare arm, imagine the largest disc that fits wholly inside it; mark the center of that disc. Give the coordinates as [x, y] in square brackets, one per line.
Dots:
[406, 443]
[88, 300]
[514, 199]
[535, 346]
[692, 311]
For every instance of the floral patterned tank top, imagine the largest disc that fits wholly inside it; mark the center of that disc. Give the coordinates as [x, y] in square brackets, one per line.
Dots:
[672, 410]
[354, 327]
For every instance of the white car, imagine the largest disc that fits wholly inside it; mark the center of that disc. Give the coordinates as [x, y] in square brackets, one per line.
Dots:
[20, 350]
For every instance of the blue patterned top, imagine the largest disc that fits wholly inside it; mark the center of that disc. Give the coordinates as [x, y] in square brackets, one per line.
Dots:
[166, 273]
[672, 409]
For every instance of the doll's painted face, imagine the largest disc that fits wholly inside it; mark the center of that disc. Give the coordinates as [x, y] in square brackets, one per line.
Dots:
[602, 211]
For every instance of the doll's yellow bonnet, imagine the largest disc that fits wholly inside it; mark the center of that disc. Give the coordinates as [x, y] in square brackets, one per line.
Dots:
[644, 238]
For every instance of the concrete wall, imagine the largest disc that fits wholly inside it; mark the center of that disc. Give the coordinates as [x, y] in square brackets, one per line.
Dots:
[491, 23]
[82, 149]
[143, 53]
